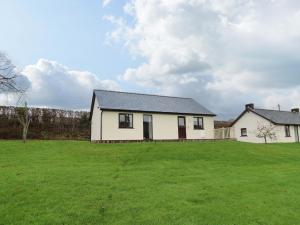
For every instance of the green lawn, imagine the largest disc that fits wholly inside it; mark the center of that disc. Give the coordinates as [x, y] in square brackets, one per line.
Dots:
[69, 182]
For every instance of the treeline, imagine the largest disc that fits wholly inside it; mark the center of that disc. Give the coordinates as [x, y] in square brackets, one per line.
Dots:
[46, 124]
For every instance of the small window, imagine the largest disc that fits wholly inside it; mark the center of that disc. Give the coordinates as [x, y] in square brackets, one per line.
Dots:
[198, 123]
[244, 132]
[125, 120]
[287, 131]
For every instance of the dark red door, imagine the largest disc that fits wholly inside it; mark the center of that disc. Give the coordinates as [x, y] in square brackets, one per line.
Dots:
[181, 127]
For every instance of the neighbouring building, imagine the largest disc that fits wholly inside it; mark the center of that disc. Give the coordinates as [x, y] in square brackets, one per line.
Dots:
[118, 116]
[285, 124]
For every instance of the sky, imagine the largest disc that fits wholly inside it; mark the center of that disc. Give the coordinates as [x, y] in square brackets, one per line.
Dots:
[223, 53]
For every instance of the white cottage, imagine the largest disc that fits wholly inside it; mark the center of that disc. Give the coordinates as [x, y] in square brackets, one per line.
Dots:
[285, 124]
[119, 116]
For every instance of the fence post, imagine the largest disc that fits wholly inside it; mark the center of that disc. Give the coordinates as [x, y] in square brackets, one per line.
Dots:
[223, 132]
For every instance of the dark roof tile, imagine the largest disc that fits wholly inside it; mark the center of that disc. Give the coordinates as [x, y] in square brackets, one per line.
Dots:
[279, 117]
[114, 100]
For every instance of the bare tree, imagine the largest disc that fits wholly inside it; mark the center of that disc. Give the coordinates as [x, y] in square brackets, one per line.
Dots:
[8, 83]
[8, 75]
[24, 117]
[266, 131]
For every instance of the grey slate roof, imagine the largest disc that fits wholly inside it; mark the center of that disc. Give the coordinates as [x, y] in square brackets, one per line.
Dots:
[113, 100]
[279, 117]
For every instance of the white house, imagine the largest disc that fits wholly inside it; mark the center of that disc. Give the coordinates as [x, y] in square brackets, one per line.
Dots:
[118, 116]
[285, 124]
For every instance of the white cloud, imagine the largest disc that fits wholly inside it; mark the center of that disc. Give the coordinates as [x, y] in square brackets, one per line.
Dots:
[55, 85]
[224, 53]
[106, 2]
[287, 98]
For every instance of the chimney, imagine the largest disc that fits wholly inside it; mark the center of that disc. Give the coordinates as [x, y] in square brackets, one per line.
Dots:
[249, 106]
[295, 110]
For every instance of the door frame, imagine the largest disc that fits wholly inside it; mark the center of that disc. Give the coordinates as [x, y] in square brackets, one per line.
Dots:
[181, 126]
[149, 129]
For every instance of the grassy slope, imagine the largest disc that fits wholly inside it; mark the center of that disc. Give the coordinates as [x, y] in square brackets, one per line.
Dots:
[60, 182]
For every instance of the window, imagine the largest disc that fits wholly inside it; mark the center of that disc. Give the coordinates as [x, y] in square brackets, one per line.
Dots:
[125, 120]
[198, 123]
[244, 132]
[287, 131]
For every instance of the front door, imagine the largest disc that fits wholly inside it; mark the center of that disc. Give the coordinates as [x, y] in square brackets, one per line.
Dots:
[147, 124]
[181, 127]
[296, 133]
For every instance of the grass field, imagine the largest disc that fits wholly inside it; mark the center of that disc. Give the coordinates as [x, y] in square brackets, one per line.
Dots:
[69, 182]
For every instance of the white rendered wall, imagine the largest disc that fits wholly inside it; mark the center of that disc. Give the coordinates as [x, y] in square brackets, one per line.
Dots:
[165, 127]
[95, 122]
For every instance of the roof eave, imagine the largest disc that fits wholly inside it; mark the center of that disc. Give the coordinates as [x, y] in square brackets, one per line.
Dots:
[92, 106]
[158, 112]
[290, 124]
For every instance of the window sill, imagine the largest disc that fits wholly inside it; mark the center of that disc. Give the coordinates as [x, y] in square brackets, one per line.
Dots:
[126, 128]
[244, 136]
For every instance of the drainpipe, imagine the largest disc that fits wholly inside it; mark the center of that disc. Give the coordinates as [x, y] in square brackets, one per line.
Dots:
[101, 126]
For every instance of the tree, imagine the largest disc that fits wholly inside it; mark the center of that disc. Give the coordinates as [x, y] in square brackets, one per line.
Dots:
[24, 117]
[266, 131]
[8, 83]
[8, 75]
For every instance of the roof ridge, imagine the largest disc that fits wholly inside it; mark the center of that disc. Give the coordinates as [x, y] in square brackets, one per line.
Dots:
[274, 110]
[136, 93]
